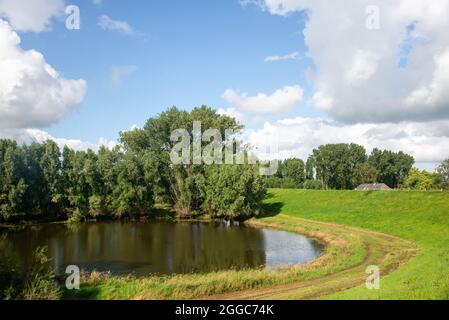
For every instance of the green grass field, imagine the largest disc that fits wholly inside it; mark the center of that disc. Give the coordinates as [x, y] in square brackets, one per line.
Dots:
[405, 233]
[421, 217]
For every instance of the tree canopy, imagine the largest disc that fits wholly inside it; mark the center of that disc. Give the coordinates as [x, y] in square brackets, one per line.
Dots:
[336, 164]
[393, 167]
[443, 172]
[343, 167]
[40, 181]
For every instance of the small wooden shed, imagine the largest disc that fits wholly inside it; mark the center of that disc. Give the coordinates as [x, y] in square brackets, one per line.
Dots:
[373, 186]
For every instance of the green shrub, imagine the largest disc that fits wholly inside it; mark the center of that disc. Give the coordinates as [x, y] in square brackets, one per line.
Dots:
[10, 276]
[232, 191]
[40, 280]
[35, 283]
[313, 185]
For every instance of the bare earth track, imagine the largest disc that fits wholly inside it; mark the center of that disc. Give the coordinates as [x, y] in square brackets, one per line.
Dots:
[386, 251]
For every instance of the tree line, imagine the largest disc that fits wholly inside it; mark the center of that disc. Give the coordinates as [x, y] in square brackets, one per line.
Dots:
[346, 166]
[41, 181]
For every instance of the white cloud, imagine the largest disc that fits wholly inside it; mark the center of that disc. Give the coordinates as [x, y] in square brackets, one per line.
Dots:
[297, 137]
[280, 7]
[98, 2]
[122, 27]
[364, 66]
[31, 15]
[106, 143]
[232, 112]
[392, 74]
[28, 136]
[32, 93]
[290, 56]
[281, 101]
[258, 3]
[322, 101]
[437, 92]
[119, 72]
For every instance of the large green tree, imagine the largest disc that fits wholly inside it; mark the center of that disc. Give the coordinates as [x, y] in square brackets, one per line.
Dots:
[294, 169]
[310, 168]
[50, 167]
[75, 184]
[177, 182]
[366, 173]
[393, 167]
[133, 193]
[101, 203]
[13, 186]
[336, 164]
[443, 172]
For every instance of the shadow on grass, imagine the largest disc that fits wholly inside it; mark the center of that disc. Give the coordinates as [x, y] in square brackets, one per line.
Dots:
[269, 196]
[271, 209]
[85, 293]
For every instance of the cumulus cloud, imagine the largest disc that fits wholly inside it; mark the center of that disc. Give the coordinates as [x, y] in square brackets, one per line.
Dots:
[297, 137]
[396, 73]
[32, 93]
[364, 66]
[119, 72]
[28, 136]
[322, 101]
[281, 101]
[122, 27]
[437, 91]
[34, 16]
[290, 56]
[233, 113]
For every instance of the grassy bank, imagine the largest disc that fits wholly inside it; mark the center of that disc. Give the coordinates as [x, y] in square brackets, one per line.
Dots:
[421, 217]
[404, 233]
[341, 252]
[347, 253]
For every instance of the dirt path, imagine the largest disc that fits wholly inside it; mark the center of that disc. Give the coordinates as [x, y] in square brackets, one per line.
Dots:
[387, 252]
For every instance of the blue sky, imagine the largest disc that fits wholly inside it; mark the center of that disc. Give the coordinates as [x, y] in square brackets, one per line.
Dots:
[297, 73]
[186, 55]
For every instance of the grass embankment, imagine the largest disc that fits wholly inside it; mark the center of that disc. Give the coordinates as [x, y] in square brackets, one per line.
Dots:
[334, 218]
[421, 217]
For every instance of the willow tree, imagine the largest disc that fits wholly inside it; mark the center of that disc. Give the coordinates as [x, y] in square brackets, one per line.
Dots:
[177, 182]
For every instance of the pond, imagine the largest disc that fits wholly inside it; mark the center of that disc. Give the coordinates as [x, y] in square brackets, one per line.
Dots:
[162, 247]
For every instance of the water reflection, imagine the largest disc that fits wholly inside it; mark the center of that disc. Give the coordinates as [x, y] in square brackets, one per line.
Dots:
[162, 248]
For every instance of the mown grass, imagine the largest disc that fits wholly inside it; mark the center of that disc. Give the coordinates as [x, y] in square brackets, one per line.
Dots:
[422, 217]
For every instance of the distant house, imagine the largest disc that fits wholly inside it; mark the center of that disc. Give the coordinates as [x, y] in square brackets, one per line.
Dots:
[373, 186]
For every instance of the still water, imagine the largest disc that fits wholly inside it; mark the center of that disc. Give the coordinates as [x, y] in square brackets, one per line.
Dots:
[162, 248]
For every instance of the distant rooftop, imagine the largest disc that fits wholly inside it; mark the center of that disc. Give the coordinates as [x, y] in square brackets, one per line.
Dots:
[373, 186]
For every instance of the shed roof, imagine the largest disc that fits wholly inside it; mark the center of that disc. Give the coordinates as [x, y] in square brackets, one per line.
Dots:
[373, 186]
